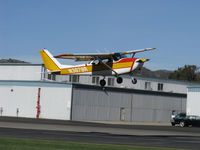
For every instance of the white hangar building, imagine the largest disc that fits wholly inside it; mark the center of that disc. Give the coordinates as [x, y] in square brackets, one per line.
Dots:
[143, 83]
[193, 101]
[37, 72]
[26, 94]
[53, 100]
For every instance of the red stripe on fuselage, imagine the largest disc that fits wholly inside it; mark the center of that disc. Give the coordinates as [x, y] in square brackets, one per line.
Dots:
[126, 60]
[133, 60]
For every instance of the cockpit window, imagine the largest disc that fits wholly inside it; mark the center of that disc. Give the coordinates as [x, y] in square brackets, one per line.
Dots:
[118, 56]
[123, 56]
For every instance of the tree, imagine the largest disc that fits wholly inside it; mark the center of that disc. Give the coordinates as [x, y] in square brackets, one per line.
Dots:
[188, 73]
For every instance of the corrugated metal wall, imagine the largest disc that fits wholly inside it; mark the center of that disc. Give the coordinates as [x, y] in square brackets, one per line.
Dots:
[115, 104]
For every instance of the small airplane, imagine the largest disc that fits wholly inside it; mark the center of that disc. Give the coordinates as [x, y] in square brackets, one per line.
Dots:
[103, 64]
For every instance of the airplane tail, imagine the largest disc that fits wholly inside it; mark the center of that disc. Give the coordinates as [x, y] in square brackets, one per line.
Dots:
[49, 61]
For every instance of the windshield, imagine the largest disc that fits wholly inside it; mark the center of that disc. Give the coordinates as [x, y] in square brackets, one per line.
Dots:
[181, 115]
[118, 56]
[123, 56]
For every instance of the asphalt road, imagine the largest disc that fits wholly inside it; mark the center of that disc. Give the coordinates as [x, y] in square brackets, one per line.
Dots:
[159, 136]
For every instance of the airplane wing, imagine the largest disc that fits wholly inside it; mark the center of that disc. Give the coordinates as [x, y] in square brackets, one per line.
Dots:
[85, 57]
[138, 50]
[93, 56]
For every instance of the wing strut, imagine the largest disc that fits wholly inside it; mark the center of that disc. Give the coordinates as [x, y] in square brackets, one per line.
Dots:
[107, 66]
[133, 55]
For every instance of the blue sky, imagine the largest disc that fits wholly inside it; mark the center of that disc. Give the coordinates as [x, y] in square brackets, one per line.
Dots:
[86, 26]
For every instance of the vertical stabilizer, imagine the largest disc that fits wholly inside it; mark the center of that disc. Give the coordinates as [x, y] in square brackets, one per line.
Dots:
[49, 61]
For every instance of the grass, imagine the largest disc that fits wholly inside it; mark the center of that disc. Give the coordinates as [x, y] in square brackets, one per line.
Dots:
[29, 144]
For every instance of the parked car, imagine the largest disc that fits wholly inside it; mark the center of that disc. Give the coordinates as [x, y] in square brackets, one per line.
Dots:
[178, 119]
[185, 121]
[191, 120]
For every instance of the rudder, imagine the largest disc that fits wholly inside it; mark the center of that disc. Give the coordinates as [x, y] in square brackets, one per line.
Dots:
[49, 61]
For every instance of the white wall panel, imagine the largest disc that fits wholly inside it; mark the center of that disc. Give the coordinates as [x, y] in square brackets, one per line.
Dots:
[16, 72]
[193, 103]
[55, 103]
[18, 97]
[55, 100]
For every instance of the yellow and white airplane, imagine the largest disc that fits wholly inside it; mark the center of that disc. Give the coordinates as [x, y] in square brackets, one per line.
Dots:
[104, 64]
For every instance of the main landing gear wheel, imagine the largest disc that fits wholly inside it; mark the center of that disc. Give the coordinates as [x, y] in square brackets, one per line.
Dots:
[102, 82]
[119, 80]
[134, 80]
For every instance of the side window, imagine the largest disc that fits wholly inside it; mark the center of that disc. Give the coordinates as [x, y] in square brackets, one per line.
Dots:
[95, 80]
[95, 62]
[110, 81]
[52, 77]
[147, 86]
[181, 116]
[160, 86]
[74, 78]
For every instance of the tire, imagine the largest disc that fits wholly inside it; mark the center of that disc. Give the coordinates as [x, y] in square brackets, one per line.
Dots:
[173, 124]
[102, 82]
[134, 80]
[119, 80]
[182, 124]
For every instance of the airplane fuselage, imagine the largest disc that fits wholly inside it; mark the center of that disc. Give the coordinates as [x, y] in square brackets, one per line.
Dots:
[122, 66]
